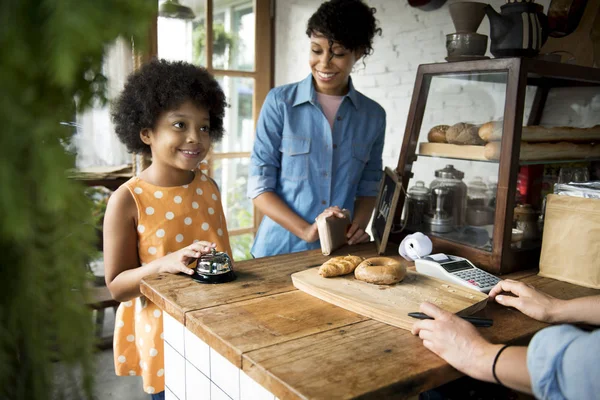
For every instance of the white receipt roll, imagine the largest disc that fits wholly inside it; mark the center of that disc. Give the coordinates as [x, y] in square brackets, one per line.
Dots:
[415, 246]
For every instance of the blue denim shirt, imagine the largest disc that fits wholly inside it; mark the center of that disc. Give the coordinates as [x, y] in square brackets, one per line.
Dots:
[564, 363]
[307, 164]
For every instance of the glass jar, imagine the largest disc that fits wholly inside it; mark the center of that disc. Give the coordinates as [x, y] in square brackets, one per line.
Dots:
[477, 192]
[455, 202]
[417, 205]
[525, 219]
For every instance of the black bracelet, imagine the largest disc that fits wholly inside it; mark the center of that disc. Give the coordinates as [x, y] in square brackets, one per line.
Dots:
[494, 364]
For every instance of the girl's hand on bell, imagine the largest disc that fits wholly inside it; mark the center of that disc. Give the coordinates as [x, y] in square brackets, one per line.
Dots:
[178, 261]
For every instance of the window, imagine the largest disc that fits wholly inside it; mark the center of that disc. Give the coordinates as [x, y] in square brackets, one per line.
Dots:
[225, 36]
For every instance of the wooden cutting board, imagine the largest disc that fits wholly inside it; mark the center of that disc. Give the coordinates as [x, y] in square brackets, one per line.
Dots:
[390, 304]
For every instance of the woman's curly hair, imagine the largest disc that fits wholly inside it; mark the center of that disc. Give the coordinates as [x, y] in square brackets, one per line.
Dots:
[351, 23]
[160, 86]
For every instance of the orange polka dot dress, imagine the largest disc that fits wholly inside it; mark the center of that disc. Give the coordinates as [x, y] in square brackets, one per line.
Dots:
[169, 218]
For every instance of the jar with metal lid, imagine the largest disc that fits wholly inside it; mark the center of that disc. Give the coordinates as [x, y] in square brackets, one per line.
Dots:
[477, 192]
[455, 202]
[417, 205]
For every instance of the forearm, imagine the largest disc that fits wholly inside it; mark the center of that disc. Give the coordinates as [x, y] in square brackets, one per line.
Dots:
[363, 210]
[270, 204]
[581, 310]
[126, 285]
[511, 367]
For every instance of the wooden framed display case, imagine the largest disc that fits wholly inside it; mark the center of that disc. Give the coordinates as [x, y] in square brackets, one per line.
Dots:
[509, 91]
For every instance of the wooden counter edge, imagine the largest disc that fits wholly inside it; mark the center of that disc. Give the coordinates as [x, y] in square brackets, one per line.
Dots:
[162, 303]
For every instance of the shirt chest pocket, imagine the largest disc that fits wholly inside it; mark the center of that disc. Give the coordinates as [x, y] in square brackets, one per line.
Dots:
[295, 152]
[360, 157]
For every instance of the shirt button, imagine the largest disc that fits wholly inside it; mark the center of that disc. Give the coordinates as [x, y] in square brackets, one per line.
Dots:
[339, 118]
[323, 202]
[324, 173]
[335, 146]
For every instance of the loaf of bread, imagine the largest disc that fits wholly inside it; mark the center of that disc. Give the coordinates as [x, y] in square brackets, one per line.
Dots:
[546, 151]
[337, 266]
[464, 134]
[492, 131]
[437, 134]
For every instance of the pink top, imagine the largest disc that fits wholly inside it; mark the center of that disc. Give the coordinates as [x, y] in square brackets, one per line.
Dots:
[330, 105]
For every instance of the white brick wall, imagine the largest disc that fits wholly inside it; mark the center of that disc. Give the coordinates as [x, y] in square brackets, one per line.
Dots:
[412, 37]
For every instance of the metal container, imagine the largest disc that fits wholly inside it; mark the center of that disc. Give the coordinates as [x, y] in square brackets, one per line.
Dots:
[215, 267]
[440, 221]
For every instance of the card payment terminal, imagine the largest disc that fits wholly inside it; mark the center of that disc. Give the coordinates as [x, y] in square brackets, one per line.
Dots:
[456, 270]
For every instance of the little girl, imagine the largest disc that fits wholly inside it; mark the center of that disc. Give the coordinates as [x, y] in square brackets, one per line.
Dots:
[171, 214]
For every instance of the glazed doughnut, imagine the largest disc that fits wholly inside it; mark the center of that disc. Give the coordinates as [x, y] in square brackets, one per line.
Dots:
[380, 271]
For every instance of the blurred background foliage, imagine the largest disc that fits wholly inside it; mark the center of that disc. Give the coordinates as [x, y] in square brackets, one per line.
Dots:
[50, 65]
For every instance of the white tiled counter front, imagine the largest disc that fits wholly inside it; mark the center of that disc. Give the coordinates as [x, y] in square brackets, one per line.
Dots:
[195, 371]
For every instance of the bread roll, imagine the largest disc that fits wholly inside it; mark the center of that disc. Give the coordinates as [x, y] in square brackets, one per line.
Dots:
[337, 266]
[492, 132]
[380, 271]
[465, 134]
[437, 134]
[546, 151]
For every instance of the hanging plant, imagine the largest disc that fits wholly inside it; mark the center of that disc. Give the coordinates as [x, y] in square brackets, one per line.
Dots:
[222, 40]
[51, 54]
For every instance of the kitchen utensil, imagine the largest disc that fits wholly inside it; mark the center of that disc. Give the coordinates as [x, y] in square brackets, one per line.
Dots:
[441, 221]
[426, 5]
[519, 30]
[466, 44]
[464, 58]
[215, 267]
[390, 304]
[467, 16]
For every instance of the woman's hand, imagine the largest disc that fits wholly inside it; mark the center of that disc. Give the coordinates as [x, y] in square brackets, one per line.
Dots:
[311, 233]
[178, 261]
[456, 341]
[356, 234]
[528, 300]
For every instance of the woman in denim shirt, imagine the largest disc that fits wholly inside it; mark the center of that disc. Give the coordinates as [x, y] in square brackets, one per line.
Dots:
[561, 362]
[319, 142]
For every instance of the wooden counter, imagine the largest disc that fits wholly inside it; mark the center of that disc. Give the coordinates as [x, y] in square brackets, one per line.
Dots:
[299, 347]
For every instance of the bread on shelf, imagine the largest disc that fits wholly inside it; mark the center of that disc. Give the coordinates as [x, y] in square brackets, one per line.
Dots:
[464, 134]
[546, 151]
[492, 132]
[529, 151]
[437, 134]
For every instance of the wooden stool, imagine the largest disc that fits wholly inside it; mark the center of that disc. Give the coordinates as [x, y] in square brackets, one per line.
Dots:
[101, 299]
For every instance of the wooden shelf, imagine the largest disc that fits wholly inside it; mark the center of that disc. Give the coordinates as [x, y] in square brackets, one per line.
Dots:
[476, 153]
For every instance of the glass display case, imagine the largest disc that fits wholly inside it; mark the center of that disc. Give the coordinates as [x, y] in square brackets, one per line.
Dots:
[481, 138]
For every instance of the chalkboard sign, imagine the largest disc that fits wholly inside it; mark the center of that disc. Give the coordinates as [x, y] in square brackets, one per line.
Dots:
[385, 208]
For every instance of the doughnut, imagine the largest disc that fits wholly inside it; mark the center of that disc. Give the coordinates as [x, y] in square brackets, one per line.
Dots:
[380, 271]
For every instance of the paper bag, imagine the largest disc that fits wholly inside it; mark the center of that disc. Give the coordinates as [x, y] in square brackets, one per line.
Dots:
[332, 232]
[571, 241]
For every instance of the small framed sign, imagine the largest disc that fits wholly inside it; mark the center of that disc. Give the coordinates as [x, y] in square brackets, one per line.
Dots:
[385, 208]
